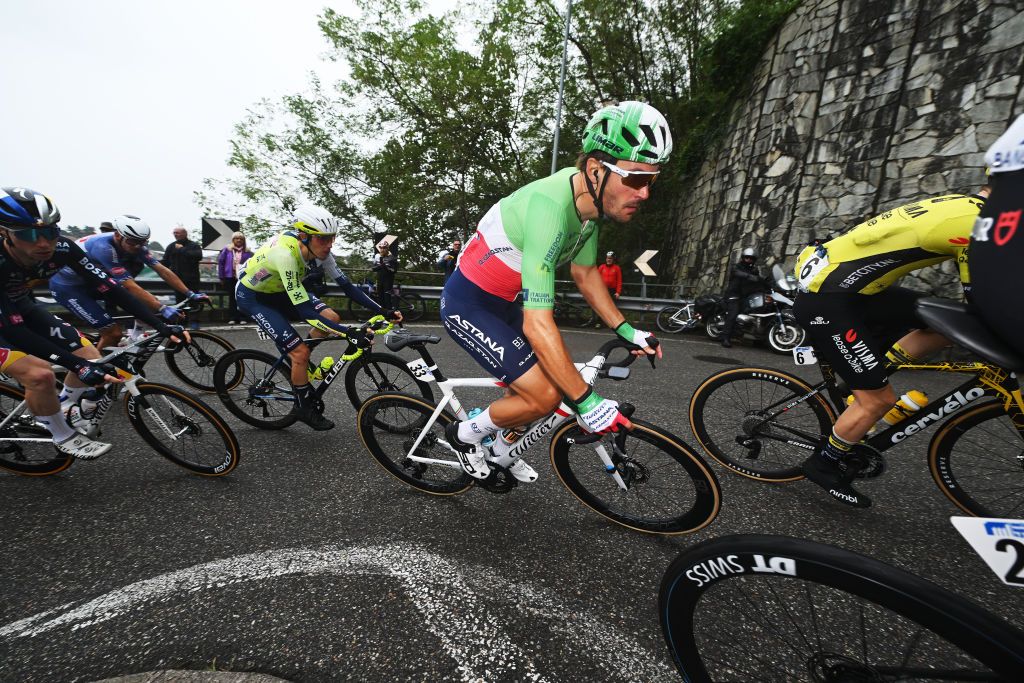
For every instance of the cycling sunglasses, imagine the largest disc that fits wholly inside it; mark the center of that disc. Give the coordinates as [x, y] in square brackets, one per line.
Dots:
[636, 180]
[50, 232]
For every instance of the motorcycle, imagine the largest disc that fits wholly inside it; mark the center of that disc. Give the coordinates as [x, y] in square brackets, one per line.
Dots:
[764, 316]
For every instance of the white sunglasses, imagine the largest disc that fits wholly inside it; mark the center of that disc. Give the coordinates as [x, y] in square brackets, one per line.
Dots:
[633, 179]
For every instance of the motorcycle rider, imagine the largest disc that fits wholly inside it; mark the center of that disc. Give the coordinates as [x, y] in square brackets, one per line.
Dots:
[744, 279]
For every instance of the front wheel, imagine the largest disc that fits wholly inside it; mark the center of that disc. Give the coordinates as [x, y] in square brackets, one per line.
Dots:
[667, 488]
[256, 387]
[785, 336]
[667, 322]
[389, 426]
[183, 429]
[31, 458]
[977, 460]
[772, 608]
[377, 373]
[740, 417]
[193, 363]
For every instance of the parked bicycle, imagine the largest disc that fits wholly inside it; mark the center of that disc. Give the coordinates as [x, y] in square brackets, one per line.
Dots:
[679, 317]
[762, 423]
[192, 362]
[773, 608]
[411, 304]
[176, 425]
[645, 479]
[569, 312]
[256, 386]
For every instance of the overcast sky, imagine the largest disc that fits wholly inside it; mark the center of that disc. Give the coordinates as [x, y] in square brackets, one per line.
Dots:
[113, 107]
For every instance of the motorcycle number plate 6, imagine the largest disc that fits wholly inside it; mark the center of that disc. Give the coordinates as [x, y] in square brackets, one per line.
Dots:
[419, 370]
[804, 355]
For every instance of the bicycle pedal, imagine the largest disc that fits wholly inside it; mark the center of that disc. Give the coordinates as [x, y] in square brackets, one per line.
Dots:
[500, 480]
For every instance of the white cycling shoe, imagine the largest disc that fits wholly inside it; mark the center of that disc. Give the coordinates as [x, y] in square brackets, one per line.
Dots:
[82, 447]
[80, 423]
[522, 471]
[471, 456]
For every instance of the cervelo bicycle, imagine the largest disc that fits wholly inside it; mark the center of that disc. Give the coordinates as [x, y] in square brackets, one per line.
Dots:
[192, 362]
[762, 423]
[176, 425]
[256, 386]
[646, 479]
[773, 608]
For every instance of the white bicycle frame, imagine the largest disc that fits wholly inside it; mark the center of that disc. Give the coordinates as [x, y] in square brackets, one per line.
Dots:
[538, 430]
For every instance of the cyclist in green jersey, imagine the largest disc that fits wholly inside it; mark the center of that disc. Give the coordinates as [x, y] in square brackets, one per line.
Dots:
[271, 292]
[517, 247]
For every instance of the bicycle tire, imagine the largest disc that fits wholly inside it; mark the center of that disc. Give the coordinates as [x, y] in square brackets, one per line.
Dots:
[391, 455]
[720, 442]
[377, 373]
[194, 364]
[412, 306]
[998, 461]
[253, 395]
[665, 322]
[211, 457]
[27, 458]
[697, 490]
[714, 596]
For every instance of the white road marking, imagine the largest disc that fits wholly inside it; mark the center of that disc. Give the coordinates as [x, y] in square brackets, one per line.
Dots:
[472, 636]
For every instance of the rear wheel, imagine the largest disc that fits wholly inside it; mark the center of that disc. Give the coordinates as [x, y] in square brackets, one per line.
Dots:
[731, 416]
[389, 425]
[669, 489]
[412, 306]
[666, 322]
[378, 373]
[31, 458]
[256, 387]
[771, 608]
[977, 460]
[715, 326]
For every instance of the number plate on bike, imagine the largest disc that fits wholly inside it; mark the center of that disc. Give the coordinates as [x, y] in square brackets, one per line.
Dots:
[1000, 542]
[804, 355]
[260, 334]
[419, 370]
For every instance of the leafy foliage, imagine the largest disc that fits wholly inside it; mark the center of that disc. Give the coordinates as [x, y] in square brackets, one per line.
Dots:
[441, 116]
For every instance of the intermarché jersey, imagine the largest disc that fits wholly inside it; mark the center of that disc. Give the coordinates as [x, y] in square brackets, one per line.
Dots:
[524, 237]
[279, 267]
[876, 253]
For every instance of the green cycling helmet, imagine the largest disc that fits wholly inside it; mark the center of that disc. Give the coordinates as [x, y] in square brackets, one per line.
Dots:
[631, 131]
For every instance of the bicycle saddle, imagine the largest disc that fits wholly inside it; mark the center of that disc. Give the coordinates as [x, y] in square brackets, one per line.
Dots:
[958, 323]
[397, 342]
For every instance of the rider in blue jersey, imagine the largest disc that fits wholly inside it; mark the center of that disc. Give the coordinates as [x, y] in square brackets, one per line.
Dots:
[123, 254]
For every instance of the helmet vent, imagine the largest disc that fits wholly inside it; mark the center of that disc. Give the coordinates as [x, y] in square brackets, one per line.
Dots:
[630, 138]
[648, 133]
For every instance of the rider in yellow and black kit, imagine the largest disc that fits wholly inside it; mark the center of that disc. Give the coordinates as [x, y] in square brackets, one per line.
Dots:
[853, 314]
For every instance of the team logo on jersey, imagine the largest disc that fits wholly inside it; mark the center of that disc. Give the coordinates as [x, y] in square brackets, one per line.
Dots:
[819, 321]
[851, 335]
[959, 241]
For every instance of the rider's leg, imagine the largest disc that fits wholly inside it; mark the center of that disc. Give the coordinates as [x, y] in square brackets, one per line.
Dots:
[110, 336]
[916, 345]
[532, 396]
[331, 315]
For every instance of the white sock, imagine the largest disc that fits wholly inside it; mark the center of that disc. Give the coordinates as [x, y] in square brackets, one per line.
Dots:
[72, 394]
[58, 427]
[476, 429]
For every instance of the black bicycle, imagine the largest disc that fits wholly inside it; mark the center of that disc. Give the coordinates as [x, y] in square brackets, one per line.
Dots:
[192, 362]
[763, 423]
[256, 386]
[411, 304]
[773, 608]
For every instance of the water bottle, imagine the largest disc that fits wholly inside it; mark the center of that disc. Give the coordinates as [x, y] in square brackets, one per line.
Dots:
[489, 439]
[909, 403]
[325, 366]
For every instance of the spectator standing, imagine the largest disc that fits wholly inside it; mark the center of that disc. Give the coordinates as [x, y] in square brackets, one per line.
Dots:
[611, 274]
[386, 266]
[229, 265]
[106, 226]
[182, 257]
[449, 258]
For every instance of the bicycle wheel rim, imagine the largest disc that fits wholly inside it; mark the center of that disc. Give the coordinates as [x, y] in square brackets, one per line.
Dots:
[726, 407]
[389, 443]
[379, 373]
[671, 491]
[251, 392]
[203, 443]
[977, 460]
[199, 373]
[27, 458]
[723, 585]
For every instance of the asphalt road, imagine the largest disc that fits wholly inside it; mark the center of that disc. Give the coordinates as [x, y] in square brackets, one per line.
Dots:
[310, 563]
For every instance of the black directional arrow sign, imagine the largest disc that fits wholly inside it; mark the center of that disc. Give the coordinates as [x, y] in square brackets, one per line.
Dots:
[217, 232]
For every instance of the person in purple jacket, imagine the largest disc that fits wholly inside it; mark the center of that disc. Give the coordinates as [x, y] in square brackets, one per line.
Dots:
[229, 266]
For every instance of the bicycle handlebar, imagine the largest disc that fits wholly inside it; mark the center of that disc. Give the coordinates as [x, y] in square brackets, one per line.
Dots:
[619, 343]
